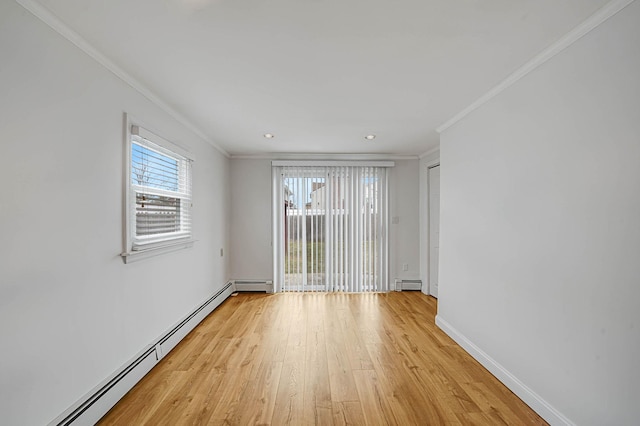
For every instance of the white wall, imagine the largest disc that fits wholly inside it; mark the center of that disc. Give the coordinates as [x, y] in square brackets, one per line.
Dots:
[539, 227]
[404, 237]
[251, 219]
[71, 312]
[251, 254]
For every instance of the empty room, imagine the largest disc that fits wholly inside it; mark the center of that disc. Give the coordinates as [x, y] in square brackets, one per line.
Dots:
[320, 212]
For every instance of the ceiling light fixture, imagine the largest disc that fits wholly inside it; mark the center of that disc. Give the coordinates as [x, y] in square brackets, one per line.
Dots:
[370, 137]
[269, 136]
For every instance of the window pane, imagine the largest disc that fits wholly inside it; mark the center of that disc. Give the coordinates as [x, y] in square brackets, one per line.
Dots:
[156, 214]
[154, 170]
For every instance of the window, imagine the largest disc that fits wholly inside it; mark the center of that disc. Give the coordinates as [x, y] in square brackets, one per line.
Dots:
[159, 195]
[331, 226]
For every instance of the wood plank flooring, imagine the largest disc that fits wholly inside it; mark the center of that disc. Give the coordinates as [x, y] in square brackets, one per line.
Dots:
[323, 359]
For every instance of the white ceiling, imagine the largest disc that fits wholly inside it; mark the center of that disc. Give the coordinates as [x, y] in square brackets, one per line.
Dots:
[320, 74]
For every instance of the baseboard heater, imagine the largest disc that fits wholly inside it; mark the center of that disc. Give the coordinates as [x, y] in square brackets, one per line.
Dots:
[95, 404]
[403, 285]
[254, 285]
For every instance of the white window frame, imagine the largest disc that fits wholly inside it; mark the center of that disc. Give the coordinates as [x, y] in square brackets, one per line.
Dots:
[135, 247]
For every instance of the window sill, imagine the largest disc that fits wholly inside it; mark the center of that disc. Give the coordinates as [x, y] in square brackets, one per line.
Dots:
[134, 256]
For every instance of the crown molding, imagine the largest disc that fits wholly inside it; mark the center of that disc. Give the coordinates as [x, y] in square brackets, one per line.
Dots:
[429, 152]
[331, 163]
[600, 16]
[318, 157]
[65, 31]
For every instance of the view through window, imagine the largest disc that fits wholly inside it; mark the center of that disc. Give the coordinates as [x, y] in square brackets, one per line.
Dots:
[334, 229]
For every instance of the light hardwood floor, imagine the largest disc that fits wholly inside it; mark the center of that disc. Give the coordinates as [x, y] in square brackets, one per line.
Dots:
[328, 359]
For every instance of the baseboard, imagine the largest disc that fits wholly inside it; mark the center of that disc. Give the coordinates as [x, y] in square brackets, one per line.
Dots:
[408, 285]
[254, 285]
[97, 402]
[532, 399]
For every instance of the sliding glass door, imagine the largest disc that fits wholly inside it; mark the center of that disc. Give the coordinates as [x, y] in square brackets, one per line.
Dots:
[331, 231]
[304, 229]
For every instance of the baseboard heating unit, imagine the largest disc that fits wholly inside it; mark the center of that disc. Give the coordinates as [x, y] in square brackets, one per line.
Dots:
[403, 285]
[95, 404]
[254, 285]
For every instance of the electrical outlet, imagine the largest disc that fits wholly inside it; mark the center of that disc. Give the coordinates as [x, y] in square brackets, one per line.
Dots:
[221, 252]
[405, 266]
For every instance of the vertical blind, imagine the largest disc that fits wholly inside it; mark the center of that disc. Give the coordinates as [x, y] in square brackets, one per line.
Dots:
[331, 231]
[160, 192]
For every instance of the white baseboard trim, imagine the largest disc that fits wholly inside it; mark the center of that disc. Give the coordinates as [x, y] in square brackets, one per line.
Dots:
[404, 285]
[532, 399]
[254, 285]
[97, 402]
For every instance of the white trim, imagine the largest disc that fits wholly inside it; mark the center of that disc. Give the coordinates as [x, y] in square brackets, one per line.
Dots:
[425, 165]
[338, 157]
[321, 163]
[428, 166]
[126, 180]
[277, 229]
[429, 152]
[600, 16]
[403, 284]
[135, 255]
[253, 285]
[532, 399]
[65, 31]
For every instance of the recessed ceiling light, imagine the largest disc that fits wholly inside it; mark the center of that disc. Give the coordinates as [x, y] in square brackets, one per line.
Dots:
[370, 137]
[269, 136]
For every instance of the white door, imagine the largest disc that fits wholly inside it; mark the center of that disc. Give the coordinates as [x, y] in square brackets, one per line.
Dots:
[434, 228]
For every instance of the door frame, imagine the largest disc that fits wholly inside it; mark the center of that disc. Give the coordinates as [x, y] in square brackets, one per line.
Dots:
[429, 254]
[427, 162]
